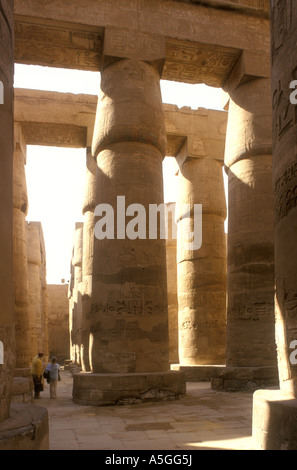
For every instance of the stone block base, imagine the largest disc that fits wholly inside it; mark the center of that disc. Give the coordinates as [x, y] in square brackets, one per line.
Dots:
[197, 373]
[126, 389]
[274, 421]
[25, 429]
[22, 390]
[22, 386]
[247, 379]
[67, 364]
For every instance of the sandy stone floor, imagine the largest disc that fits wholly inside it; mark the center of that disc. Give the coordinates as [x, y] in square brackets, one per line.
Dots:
[203, 419]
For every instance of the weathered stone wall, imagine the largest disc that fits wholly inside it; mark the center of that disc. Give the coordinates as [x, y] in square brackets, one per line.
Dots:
[58, 321]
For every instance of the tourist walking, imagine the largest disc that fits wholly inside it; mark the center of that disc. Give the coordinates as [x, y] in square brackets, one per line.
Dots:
[36, 372]
[54, 375]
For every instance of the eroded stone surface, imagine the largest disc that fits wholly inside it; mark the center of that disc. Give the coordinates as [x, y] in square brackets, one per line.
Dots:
[7, 334]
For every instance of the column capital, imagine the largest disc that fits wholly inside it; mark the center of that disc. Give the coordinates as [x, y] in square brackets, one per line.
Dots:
[251, 65]
[120, 43]
[200, 148]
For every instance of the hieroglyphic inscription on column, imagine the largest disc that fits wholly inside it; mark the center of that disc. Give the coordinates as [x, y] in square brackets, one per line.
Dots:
[285, 113]
[128, 307]
[253, 312]
[286, 193]
[281, 23]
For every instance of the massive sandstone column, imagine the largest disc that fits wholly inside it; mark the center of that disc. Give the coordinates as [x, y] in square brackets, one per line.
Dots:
[88, 209]
[58, 321]
[171, 268]
[7, 324]
[37, 290]
[202, 271]
[44, 295]
[129, 321]
[75, 304]
[250, 343]
[20, 262]
[275, 412]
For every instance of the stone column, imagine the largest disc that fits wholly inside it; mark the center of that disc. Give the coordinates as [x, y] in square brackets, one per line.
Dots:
[20, 262]
[7, 322]
[44, 295]
[172, 284]
[250, 343]
[275, 412]
[129, 323]
[34, 288]
[58, 326]
[76, 304]
[87, 257]
[202, 271]
[71, 310]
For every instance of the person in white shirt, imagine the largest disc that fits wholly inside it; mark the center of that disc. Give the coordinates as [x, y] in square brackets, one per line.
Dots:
[54, 369]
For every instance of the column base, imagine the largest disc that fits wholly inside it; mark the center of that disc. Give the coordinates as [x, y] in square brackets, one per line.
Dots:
[127, 389]
[198, 373]
[25, 429]
[247, 379]
[274, 421]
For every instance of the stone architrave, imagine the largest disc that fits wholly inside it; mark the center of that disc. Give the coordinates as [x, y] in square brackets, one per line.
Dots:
[202, 271]
[129, 318]
[7, 323]
[275, 412]
[250, 334]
